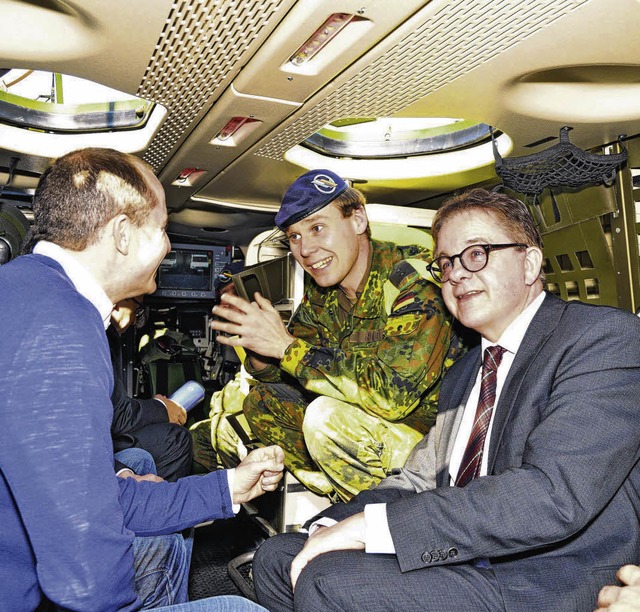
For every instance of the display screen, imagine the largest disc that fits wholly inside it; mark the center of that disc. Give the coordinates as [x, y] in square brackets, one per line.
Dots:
[189, 270]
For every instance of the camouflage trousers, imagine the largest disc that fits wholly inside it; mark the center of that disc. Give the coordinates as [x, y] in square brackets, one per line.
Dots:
[216, 443]
[330, 446]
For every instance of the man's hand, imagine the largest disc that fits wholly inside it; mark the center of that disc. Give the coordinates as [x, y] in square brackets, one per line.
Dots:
[255, 326]
[345, 535]
[260, 471]
[177, 414]
[140, 478]
[624, 598]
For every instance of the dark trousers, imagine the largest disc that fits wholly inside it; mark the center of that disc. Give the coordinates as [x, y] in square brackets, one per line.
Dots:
[352, 580]
[169, 444]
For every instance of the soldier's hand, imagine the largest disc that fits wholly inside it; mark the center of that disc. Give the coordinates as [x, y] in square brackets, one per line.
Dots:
[255, 326]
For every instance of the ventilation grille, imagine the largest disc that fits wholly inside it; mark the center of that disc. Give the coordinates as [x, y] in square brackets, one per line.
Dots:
[431, 56]
[203, 44]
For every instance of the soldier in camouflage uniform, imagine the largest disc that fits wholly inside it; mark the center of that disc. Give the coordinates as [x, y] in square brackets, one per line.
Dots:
[351, 386]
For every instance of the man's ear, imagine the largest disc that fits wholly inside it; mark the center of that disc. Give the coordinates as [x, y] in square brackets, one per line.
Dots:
[533, 264]
[360, 219]
[121, 233]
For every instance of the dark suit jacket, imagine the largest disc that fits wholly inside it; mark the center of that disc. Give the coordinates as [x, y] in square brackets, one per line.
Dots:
[129, 414]
[558, 512]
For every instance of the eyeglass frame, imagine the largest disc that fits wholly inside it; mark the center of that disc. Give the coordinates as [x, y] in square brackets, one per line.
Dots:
[487, 249]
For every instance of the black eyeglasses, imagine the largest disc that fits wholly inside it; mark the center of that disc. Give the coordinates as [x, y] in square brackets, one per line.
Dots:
[473, 259]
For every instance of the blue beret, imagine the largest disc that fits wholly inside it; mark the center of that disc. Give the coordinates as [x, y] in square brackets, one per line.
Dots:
[308, 194]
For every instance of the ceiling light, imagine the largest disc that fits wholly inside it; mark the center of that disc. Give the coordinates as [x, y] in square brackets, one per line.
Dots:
[234, 130]
[232, 126]
[188, 177]
[321, 37]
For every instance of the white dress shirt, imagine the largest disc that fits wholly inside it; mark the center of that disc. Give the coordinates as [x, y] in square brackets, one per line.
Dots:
[378, 538]
[81, 278]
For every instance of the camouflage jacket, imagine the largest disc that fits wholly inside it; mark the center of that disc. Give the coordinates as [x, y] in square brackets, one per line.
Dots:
[389, 356]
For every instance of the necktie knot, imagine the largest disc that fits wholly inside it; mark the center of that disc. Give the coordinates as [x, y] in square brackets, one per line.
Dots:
[492, 357]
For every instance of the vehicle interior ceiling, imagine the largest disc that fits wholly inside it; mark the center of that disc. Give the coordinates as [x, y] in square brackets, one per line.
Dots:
[246, 95]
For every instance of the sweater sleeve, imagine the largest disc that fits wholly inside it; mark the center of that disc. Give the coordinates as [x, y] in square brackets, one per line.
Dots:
[156, 508]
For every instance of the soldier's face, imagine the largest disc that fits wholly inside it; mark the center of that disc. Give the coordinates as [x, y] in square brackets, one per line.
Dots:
[326, 244]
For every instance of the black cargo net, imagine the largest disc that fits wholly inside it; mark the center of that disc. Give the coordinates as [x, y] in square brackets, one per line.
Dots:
[561, 165]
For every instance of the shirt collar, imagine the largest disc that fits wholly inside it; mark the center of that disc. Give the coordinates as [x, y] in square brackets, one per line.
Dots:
[343, 301]
[512, 336]
[82, 279]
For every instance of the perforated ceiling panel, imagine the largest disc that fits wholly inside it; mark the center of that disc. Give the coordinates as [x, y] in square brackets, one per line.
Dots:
[203, 43]
[433, 54]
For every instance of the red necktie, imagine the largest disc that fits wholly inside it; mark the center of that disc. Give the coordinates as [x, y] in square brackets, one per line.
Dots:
[472, 459]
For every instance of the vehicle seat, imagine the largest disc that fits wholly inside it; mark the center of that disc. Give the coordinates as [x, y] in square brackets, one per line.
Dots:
[13, 230]
[171, 359]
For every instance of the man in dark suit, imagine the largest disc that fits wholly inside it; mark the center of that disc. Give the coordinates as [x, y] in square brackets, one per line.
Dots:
[155, 424]
[534, 511]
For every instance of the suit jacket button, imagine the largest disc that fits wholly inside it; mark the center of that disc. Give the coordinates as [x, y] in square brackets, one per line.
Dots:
[426, 557]
[453, 553]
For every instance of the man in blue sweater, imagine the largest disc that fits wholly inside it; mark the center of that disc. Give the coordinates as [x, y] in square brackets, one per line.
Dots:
[68, 523]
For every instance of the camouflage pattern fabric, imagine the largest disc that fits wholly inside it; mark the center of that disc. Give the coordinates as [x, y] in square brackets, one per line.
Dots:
[222, 445]
[275, 412]
[386, 357]
[356, 450]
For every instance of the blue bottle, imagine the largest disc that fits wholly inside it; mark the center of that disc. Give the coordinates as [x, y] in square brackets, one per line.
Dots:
[189, 395]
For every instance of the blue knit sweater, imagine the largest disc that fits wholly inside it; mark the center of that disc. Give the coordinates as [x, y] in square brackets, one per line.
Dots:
[66, 521]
